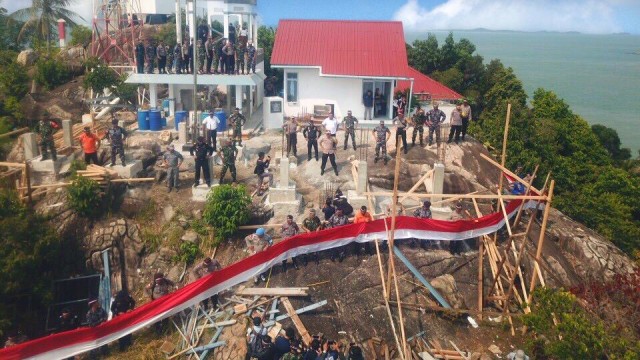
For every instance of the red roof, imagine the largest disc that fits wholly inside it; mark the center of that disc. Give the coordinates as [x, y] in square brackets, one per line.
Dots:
[339, 47]
[422, 84]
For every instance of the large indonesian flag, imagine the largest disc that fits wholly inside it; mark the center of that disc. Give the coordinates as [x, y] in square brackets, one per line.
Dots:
[77, 341]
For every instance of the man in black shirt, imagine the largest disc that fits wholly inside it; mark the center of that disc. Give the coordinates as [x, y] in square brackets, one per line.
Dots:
[311, 133]
[202, 152]
[262, 169]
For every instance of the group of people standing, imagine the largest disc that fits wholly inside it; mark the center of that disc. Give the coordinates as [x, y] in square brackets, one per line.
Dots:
[220, 56]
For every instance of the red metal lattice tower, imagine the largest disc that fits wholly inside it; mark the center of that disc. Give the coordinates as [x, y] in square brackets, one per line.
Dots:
[116, 26]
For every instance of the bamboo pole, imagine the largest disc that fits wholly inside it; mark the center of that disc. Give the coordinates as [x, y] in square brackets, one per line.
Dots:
[12, 164]
[519, 214]
[417, 185]
[480, 266]
[386, 300]
[45, 186]
[462, 196]
[504, 145]
[14, 132]
[27, 175]
[543, 230]
[509, 172]
[132, 180]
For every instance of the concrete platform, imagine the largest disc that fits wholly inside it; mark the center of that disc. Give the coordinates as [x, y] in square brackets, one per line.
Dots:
[200, 192]
[284, 208]
[129, 171]
[282, 194]
[37, 164]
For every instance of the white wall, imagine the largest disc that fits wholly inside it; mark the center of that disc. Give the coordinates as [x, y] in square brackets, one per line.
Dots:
[313, 89]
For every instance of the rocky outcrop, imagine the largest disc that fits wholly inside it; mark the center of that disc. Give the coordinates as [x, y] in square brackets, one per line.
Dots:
[27, 57]
[253, 146]
[591, 256]
[126, 249]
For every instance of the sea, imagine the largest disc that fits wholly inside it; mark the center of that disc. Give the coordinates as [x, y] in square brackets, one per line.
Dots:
[597, 75]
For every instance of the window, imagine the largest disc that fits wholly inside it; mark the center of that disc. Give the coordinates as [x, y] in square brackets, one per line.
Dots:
[292, 87]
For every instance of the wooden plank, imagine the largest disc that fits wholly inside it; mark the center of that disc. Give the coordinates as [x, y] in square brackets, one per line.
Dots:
[294, 291]
[218, 324]
[12, 164]
[505, 139]
[417, 185]
[510, 173]
[302, 330]
[460, 196]
[14, 132]
[275, 330]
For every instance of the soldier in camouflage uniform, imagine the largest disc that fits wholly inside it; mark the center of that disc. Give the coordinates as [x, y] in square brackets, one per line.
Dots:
[336, 220]
[419, 118]
[381, 134]
[169, 51]
[45, 130]
[228, 155]
[237, 120]
[202, 54]
[311, 224]
[116, 135]
[96, 316]
[160, 287]
[251, 58]
[240, 49]
[349, 126]
[435, 117]
[150, 53]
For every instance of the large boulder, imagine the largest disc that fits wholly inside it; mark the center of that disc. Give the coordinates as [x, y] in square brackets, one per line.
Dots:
[27, 57]
[446, 286]
[57, 112]
[253, 146]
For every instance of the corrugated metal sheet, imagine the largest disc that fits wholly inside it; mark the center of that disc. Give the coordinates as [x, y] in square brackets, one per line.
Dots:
[422, 84]
[350, 48]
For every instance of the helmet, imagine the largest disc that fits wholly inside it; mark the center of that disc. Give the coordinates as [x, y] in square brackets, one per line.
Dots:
[260, 232]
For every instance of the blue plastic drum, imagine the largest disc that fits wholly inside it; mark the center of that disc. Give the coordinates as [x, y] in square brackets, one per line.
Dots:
[222, 116]
[143, 119]
[155, 120]
[181, 116]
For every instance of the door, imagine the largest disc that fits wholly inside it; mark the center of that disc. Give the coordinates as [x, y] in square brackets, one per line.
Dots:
[381, 97]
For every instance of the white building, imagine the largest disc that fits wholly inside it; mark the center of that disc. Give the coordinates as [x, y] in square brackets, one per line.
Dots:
[335, 63]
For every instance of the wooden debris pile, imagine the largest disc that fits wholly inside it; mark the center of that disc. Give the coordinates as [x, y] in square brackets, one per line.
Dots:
[98, 128]
[202, 331]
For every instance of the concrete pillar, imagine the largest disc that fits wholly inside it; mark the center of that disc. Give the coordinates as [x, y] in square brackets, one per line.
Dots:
[255, 31]
[172, 100]
[30, 145]
[67, 132]
[251, 105]
[250, 28]
[238, 96]
[363, 177]
[284, 173]
[178, 22]
[182, 132]
[228, 99]
[153, 95]
[438, 181]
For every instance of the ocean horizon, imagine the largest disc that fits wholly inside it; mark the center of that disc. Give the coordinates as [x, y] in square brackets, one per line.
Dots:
[597, 75]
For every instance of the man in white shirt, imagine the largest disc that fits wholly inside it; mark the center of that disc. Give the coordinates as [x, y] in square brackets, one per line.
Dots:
[210, 128]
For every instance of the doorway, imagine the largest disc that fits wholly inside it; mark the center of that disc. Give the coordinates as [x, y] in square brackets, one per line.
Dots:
[381, 97]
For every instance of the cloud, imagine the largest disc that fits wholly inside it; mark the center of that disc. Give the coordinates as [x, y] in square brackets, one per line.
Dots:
[588, 16]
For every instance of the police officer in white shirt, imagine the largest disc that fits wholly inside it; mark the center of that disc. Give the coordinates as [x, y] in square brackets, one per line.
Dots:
[210, 128]
[331, 125]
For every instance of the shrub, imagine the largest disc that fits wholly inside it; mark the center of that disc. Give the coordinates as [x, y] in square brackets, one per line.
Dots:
[85, 197]
[51, 73]
[100, 77]
[582, 336]
[227, 208]
[77, 165]
[14, 80]
[188, 253]
[80, 35]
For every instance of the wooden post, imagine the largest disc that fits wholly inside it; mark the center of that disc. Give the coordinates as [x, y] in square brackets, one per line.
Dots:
[519, 214]
[27, 173]
[386, 300]
[504, 145]
[543, 230]
[480, 277]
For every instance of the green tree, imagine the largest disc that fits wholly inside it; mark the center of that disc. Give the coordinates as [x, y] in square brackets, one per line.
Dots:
[424, 55]
[227, 208]
[31, 257]
[610, 140]
[9, 31]
[51, 72]
[448, 53]
[42, 18]
[81, 35]
[166, 33]
[85, 197]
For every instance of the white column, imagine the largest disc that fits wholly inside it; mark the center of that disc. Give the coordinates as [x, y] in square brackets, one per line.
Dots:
[363, 177]
[239, 96]
[190, 24]
[438, 181]
[30, 145]
[172, 100]
[251, 105]
[182, 132]
[284, 173]
[226, 25]
[153, 95]
[250, 28]
[67, 132]
[255, 31]
[178, 22]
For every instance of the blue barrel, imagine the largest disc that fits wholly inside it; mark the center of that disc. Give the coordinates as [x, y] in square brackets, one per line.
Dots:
[180, 116]
[165, 106]
[155, 120]
[163, 122]
[143, 119]
[222, 116]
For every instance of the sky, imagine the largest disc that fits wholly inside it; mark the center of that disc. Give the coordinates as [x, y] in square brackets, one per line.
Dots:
[587, 16]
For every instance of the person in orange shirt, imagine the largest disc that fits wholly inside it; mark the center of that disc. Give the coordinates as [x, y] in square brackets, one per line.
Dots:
[90, 145]
[362, 216]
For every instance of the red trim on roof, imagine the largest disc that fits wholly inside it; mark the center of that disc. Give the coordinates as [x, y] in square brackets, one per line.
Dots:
[339, 47]
[422, 84]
